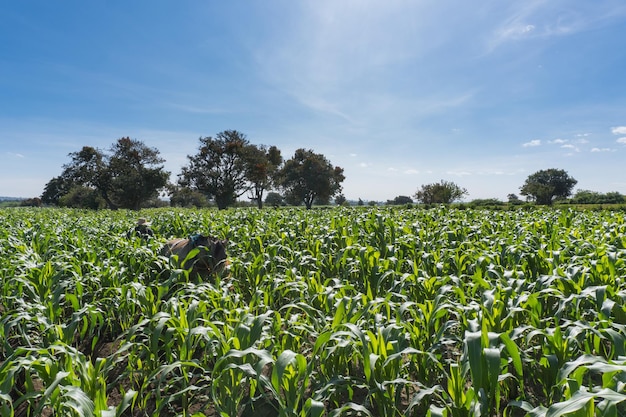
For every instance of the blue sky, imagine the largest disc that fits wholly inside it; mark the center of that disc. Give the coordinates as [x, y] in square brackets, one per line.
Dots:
[399, 93]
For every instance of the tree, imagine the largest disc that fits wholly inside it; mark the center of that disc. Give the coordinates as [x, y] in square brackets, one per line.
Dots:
[89, 168]
[594, 197]
[219, 169]
[274, 199]
[82, 197]
[31, 202]
[400, 200]
[514, 199]
[56, 188]
[546, 185]
[443, 192]
[341, 200]
[262, 165]
[485, 202]
[132, 175]
[614, 197]
[136, 173]
[308, 177]
[186, 197]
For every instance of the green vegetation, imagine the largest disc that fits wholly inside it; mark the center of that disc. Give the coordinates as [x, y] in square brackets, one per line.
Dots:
[443, 192]
[381, 311]
[229, 166]
[309, 178]
[546, 185]
[127, 177]
[224, 169]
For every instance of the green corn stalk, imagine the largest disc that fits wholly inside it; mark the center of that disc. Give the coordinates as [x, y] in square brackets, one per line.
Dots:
[237, 378]
[485, 368]
[289, 383]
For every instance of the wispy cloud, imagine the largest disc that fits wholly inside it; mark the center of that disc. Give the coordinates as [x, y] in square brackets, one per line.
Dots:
[621, 140]
[532, 143]
[347, 60]
[602, 150]
[549, 18]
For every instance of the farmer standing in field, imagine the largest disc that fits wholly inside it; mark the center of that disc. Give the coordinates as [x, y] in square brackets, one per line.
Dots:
[142, 229]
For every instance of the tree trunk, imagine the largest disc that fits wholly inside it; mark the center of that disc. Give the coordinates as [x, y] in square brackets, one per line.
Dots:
[106, 198]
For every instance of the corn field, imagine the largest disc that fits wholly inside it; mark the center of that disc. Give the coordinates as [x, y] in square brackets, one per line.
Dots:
[338, 312]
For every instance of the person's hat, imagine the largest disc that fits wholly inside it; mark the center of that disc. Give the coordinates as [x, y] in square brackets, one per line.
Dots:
[143, 222]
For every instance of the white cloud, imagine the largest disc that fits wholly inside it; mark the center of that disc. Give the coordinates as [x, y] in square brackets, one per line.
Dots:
[363, 165]
[411, 171]
[558, 141]
[15, 155]
[621, 140]
[544, 19]
[601, 150]
[534, 142]
[619, 130]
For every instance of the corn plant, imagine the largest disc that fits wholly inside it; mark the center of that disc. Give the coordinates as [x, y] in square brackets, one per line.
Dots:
[373, 311]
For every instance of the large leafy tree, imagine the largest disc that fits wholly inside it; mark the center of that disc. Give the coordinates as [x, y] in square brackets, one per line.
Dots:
[89, 168]
[546, 185]
[443, 192]
[136, 173]
[127, 178]
[219, 169]
[262, 165]
[56, 188]
[308, 177]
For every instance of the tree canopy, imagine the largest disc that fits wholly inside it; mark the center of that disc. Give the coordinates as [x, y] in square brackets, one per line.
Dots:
[262, 165]
[594, 197]
[225, 167]
[129, 176]
[443, 192]
[136, 173]
[400, 200]
[309, 177]
[219, 170]
[546, 185]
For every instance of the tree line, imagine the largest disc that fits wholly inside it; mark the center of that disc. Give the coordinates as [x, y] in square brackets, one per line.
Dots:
[131, 175]
[543, 187]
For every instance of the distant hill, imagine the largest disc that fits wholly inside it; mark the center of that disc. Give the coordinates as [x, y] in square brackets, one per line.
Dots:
[11, 198]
